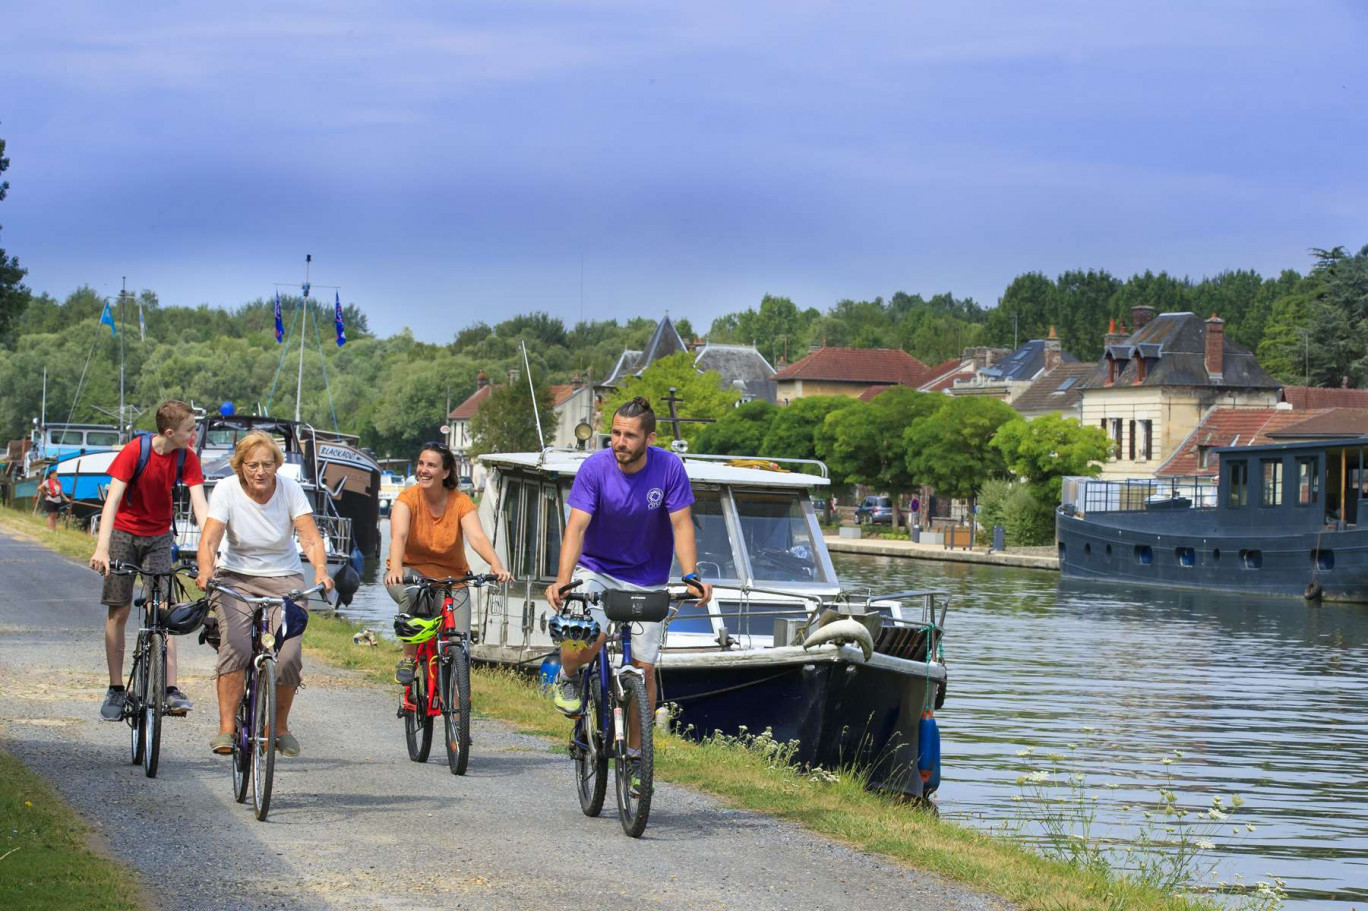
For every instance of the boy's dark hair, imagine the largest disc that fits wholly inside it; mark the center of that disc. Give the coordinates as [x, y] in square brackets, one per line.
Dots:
[171, 414]
[639, 409]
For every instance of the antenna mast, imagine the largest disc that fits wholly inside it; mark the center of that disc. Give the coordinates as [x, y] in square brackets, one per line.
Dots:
[532, 390]
[303, 324]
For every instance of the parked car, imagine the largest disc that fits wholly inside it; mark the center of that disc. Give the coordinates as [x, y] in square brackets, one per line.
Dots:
[465, 484]
[875, 511]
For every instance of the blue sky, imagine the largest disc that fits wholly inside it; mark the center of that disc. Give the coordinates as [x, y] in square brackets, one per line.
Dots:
[453, 162]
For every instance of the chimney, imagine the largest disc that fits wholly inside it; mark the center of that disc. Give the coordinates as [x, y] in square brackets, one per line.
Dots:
[1140, 316]
[512, 375]
[1215, 347]
[1053, 352]
[481, 380]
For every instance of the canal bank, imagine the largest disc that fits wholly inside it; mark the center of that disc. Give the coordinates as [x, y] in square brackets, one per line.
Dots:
[915, 550]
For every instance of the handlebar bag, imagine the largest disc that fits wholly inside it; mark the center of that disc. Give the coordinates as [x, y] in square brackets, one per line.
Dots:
[626, 607]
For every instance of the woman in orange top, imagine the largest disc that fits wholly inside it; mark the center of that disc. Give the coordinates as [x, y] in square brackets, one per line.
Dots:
[430, 523]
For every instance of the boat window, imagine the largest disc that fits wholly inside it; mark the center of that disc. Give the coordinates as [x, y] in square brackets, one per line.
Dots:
[551, 519]
[532, 515]
[512, 515]
[1251, 559]
[716, 556]
[1185, 556]
[1308, 482]
[1144, 554]
[778, 537]
[67, 437]
[102, 438]
[1272, 482]
[1239, 483]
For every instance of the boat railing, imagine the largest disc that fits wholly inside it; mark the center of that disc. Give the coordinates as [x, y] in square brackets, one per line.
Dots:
[335, 530]
[1082, 496]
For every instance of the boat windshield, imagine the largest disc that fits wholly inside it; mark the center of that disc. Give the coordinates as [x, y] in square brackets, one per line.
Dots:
[715, 557]
[777, 536]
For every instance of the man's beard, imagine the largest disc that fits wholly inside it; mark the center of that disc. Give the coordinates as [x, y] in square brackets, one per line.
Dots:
[626, 456]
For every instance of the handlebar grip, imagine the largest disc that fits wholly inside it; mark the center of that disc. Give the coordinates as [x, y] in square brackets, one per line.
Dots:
[564, 589]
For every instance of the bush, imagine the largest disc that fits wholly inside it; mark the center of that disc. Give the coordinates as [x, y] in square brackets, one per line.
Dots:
[1025, 519]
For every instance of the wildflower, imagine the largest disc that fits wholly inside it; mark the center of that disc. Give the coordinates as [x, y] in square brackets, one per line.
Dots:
[1216, 814]
[1236, 800]
[1250, 826]
[1017, 797]
[1204, 845]
[1166, 761]
[1026, 752]
[1037, 777]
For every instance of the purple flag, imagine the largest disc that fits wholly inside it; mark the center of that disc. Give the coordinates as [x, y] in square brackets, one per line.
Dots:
[280, 324]
[337, 318]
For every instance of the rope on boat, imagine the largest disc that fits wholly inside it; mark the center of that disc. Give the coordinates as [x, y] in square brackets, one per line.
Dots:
[81, 383]
[324, 361]
[284, 349]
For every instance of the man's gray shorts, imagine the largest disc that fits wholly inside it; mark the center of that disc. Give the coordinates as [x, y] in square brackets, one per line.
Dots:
[646, 637]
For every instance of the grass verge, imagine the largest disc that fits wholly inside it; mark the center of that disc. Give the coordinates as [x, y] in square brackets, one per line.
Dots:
[745, 774]
[45, 862]
[69, 542]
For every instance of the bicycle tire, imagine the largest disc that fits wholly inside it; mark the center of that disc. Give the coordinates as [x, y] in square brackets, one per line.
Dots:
[133, 704]
[456, 709]
[418, 723]
[634, 809]
[263, 736]
[591, 761]
[242, 753]
[154, 703]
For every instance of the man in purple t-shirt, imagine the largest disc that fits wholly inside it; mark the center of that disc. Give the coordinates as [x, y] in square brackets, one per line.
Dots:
[629, 514]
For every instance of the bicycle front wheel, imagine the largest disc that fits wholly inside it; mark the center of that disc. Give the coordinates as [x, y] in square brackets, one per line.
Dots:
[263, 738]
[588, 749]
[417, 722]
[456, 710]
[133, 700]
[242, 743]
[634, 774]
[153, 702]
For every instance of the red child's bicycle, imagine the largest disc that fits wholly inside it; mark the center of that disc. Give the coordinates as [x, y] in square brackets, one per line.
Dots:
[441, 683]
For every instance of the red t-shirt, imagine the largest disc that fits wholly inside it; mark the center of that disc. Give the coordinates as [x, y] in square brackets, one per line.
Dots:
[146, 505]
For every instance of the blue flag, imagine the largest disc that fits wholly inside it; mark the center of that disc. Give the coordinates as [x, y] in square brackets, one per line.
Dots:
[337, 318]
[107, 317]
[280, 324]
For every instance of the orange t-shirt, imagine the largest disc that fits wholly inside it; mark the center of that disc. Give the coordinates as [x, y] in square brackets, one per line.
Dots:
[435, 546]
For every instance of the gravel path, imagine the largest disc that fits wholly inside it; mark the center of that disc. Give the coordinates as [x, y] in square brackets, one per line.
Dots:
[354, 824]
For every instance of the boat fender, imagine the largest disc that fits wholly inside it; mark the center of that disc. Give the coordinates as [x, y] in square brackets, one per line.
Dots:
[840, 632]
[1313, 592]
[928, 753]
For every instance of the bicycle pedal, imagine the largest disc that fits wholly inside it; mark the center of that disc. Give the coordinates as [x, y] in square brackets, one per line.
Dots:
[178, 713]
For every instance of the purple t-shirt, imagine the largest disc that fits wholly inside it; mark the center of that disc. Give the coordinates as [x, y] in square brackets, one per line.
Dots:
[630, 536]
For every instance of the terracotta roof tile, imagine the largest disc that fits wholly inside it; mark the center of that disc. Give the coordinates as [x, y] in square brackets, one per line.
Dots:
[1302, 397]
[1230, 427]
[466, 410]
[857, 365]
[873, 391]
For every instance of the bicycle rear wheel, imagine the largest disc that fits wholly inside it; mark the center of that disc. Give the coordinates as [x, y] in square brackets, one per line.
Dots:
[418, 723]
[153, 702]
[456, 709]
[588, 748]
[242, 750]
[263, 738]
[137, 684]
[634, 775]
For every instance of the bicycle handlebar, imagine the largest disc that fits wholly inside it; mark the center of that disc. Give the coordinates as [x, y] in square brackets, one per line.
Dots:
[594, 598]
[293, 596]
[124, 568]
[474, 579]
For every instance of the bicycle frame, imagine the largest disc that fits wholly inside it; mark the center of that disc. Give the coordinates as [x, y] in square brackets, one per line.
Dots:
[432, 653]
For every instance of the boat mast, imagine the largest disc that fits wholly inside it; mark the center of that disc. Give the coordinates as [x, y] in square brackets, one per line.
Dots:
[303, 325]
[43, 419]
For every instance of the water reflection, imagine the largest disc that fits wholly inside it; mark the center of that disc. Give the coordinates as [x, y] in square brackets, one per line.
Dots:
[1265, 698]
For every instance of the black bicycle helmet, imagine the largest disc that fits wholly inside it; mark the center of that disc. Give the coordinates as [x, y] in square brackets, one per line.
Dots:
[209, 633]
[345, 583]
[183, 619]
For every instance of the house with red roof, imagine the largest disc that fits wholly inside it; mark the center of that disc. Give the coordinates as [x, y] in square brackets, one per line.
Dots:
[573, 402]
[1234, 427]
[847, 371]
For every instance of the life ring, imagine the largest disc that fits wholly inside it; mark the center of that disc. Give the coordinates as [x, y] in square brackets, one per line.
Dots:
[1313, 592]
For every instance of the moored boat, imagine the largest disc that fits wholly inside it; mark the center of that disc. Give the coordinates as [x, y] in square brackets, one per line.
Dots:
[1287, 519]
[781, 646]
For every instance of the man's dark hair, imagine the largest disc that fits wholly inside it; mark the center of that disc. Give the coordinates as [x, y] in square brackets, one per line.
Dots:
[639, 409]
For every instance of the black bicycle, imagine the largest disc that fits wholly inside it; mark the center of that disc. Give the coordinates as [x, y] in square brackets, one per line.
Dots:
[254, 734]
[145, 694]
[614, 700]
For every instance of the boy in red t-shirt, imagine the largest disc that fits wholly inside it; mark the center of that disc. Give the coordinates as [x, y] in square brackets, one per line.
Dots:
[135, 526]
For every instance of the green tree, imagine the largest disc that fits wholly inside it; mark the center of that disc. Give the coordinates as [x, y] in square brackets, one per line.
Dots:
[792, 435]
[859, 443]
[505, 421]
[1339, 318]
[949, 449]
[702, 394]
[1050, 448]
[14, 297]
[742, 432]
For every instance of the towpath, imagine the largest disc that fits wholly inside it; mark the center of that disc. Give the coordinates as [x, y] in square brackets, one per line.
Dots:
[354, 824]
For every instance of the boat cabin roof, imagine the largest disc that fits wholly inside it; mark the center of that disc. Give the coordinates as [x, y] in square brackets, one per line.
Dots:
[1302, 446]
[741, 472]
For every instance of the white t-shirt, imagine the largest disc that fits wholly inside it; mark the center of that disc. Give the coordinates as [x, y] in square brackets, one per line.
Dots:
[259, 540]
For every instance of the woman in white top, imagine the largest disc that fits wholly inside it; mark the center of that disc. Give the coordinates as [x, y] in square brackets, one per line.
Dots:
[255, 515]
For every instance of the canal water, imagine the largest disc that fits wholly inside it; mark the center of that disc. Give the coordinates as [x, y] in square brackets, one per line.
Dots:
[1267, 699]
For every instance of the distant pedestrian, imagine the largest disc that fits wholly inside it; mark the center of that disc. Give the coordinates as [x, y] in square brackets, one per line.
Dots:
[50, 492]
[135, 526]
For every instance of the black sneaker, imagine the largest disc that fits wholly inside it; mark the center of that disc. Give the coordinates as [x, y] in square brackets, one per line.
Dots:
[405, 671]
[113, 707]
[176, 702]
